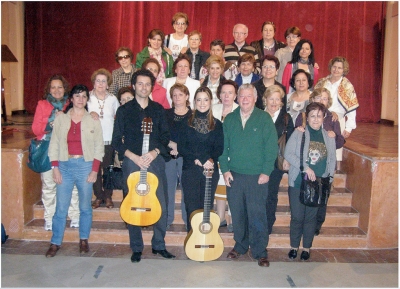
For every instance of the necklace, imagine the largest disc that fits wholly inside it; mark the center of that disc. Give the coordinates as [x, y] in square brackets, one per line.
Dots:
[269, 47]
[303, 61]
[101, 107]
[182, 112]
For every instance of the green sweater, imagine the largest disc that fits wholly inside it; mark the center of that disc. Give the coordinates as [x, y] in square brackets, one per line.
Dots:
[251, 150]
[144, 54]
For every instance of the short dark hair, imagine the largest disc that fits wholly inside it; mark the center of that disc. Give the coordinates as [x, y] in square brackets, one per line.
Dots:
[247, 57]
[296, 52]
[143, 72]
[56, 77]
[226, 82]
[298, 71]
[123, 48]
[217, 42]
[271, 58]
[151, 60]
[76, 89]
[180, 58]
[155, 32]
[315, 106]
[268, 23]
[123, 90]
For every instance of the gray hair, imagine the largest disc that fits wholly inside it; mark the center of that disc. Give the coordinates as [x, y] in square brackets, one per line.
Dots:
[247, 86]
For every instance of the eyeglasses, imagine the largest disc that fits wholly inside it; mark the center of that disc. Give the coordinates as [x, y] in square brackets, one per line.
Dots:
[123, 57]
[152, 70]
[240, 33]
[194, 39]
[291, 37]
[123, 101]
[180, 23]
[101, 81]
[268, 66]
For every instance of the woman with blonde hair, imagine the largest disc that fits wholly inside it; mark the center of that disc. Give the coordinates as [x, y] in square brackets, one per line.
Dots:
[215, 67]
[201, 144]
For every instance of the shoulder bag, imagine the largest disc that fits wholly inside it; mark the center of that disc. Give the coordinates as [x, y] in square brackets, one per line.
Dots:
[38, 160]
[313, 193]
[282, 144]
[112, 177]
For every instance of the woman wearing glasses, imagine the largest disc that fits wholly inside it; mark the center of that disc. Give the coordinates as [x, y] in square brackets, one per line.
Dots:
[125, 94]
[284, 55]
[121, 77]
[268, 45]
[159, 93]
[177, 42]
[269, 70]
[156, 50]
[103, 105]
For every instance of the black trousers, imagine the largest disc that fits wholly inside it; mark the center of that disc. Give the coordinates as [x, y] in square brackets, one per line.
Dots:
[98, 189]
[193, 184]
[272, 201]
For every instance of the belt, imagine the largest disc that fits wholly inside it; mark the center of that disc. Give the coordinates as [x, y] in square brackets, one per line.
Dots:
[107, 143]
[75, 156]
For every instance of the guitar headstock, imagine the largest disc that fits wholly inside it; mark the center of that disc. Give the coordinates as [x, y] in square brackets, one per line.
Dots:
[147, 125]
[209, 172]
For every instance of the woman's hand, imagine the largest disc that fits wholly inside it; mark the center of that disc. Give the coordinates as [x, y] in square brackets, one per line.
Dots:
[310, 173]
[335, 117]
[92, 177]
[286, 165]
[183, 50]
[316, 66]
[263, 179]
[59, 112]
[331, 133]
[174, 153]
[197, 162]
[172, 145]
[57, 178]
[94, 115]
[346, 134]
[168, 50]
[300, 128]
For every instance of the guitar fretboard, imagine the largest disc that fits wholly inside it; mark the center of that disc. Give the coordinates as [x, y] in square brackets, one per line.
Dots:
[207, 200]
[145, 150]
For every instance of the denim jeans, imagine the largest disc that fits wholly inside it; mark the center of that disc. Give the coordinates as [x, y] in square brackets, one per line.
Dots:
[73, 172]
[172, 169]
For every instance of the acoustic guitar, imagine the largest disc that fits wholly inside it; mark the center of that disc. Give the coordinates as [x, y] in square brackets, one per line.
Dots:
[141, 206]
[203, 242]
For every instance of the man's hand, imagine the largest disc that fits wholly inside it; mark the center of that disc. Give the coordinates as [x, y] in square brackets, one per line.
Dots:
[263, 179]
[228, 178]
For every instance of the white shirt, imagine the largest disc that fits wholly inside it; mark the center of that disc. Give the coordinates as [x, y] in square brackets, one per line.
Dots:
[191, 84]
[177, 45]
[111, 105]
[350, 123]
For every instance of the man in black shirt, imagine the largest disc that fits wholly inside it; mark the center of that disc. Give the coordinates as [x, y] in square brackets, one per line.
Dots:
[128, 141]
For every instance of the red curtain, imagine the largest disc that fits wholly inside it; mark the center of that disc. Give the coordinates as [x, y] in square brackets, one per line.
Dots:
[76, 38]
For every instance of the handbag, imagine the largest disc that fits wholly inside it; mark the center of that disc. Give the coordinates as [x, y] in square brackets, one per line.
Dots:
[313, 193]
[38, 160]
[112, 177]
[282, 144]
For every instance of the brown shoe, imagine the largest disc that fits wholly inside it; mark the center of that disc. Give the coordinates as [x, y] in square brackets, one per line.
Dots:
[263, 262]
[96, 203]
[52, 250]
[233, 254]
[109, 203]
[83, 246]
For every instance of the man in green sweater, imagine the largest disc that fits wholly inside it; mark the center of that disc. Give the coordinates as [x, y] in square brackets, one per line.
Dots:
[250, 150]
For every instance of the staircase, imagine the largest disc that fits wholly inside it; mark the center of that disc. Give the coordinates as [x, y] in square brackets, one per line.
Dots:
[340, 230]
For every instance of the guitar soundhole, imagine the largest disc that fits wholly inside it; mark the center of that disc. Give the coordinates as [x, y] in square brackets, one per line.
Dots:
[142, 189]
[205, 228]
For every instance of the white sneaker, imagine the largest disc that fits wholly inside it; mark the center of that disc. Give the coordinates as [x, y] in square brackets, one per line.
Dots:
[74, 223]
[48, 225]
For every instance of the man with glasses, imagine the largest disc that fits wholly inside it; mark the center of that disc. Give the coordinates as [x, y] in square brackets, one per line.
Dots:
[236, 49]
[197, 57]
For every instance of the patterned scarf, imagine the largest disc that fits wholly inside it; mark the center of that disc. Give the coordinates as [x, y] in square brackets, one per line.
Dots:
[157, 54]
[58, 105]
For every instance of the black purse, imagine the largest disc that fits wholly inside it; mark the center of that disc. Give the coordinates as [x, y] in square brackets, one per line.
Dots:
[38, 160]
[282, 144]
[112, 177]
[313, 193]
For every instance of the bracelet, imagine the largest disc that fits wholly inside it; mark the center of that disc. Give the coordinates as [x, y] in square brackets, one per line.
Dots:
[156, 152]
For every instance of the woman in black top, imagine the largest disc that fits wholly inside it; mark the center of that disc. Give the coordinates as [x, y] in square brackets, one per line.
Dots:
[202, 140]
[177, 118]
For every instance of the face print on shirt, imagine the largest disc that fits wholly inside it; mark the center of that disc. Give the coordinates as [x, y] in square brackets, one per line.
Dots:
[316, 152]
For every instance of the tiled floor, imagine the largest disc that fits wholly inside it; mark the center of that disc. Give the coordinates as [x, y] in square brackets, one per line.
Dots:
[22, 247]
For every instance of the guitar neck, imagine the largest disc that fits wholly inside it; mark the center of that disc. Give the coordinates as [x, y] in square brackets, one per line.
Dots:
[207, 200]
[145, 150]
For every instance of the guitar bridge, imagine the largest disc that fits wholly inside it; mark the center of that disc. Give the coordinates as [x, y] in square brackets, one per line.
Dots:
[204, 246]
[140, 209]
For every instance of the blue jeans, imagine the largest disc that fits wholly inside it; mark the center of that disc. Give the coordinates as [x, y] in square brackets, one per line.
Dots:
[172, 169]
[73, 172]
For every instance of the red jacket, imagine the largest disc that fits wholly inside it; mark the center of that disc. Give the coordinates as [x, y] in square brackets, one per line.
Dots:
[159, 95]
[287, 75]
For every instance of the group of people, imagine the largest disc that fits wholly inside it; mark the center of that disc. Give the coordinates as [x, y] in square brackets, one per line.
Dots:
[223, 110]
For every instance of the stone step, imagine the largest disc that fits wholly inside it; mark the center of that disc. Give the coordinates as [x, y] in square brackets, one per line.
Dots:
[116, 233]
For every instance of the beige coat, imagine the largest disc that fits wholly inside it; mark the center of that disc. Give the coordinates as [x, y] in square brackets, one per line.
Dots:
[91, 135]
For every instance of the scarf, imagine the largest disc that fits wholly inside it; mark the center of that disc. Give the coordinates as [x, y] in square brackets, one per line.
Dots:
[58, 105]
[157, 54]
